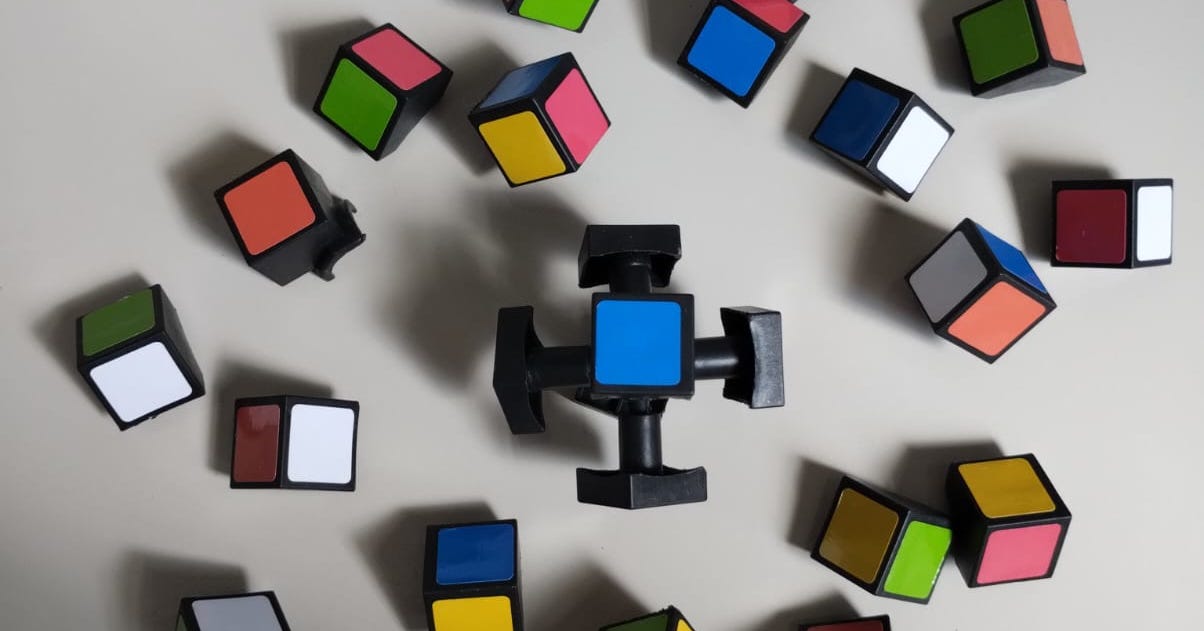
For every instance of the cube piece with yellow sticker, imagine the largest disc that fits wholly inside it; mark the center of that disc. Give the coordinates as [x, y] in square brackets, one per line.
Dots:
[1010, 523]
[541, 120]
[668, 619]
[471, 579]
[887, 544]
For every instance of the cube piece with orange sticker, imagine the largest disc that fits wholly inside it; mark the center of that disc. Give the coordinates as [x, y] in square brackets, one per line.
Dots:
[1009, 521]
[669, 619]
[886, 544]
[1014, 45]
[286, 221]
[541, 120]
[471, 578]
[979, 291]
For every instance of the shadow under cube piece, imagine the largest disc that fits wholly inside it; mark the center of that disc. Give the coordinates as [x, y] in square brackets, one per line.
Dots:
[875, 623]
[1014, 45]
[979, 291]
[886, 544]
[882, 131]
[1010, 522]
[380, 85]
[540, 120]
[286, 222]
[567, 14]
[1113, 223]
[642, 352]
[291, 442]
[471, 578]
[259, 611]
[739, 43]
[669, 619]
[133, 355]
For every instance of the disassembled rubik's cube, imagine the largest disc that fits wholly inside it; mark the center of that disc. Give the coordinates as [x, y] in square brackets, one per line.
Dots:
[642, 353]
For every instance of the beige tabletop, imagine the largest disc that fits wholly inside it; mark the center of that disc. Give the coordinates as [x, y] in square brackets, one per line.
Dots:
[121, 118]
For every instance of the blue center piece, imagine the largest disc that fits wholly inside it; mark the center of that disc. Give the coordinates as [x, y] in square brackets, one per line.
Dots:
[475, 554]
[1012, 259]
[731, 51]
[520, 82]
[637, 343]
[856, 119]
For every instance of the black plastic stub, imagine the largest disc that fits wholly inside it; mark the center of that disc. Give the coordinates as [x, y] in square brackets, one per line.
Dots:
[756, 335]
[607, 250]
[349, 238]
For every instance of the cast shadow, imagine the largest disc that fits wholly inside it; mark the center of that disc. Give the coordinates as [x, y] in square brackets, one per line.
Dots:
[936, 21]
[1031, 181]
[921, 469]
[492, 5]
[817, 484]
[308, 53]
[237, 379]
[395, 549]
[474, 73]
[668, 26]
[152, 585]
[819, 88]
[589, 598]
[890, 244]
[196, 177]
[831, 608]
[56, 329]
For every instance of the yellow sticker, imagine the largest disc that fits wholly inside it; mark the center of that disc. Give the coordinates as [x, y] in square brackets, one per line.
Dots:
[859, 535]
[488, 613]
[1006, 488]
[522, 148]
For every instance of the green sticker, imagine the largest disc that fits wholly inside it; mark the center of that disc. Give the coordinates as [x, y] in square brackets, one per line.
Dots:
[999, 39]
[113, 324]
[919, 560]
[659, 622]
[568, 14]
[358, 104]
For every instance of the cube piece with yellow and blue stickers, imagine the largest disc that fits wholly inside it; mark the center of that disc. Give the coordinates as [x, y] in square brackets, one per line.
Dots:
[738, 44]
[471, 578]
[541, 120]
[643, 344]
[669, 619]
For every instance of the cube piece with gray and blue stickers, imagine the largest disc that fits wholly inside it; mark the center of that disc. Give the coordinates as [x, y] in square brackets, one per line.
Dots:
[882, 131]
[738, 44]
[643, 345]
[133, 355]
[258, 611]
[980, 292]
[471, 577]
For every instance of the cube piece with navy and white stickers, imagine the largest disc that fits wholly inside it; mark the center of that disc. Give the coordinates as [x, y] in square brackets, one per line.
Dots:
[133, 355]
[541, 120]
[257, 611]
[980, 292]
[738, 44]
[1113, 223]
[882, 131]
[294, 442]
[471, 578]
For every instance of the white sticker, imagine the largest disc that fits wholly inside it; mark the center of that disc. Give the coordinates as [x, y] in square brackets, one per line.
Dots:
[141, 381]
[321, 441]
[913, 149]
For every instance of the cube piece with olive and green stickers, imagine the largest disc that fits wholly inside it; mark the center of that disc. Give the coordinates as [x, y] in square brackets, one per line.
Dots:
[669, 619]
[1014, 45]
[887, 544]
[258, 611]
[567, 14]
[380, 85]
[133, 355]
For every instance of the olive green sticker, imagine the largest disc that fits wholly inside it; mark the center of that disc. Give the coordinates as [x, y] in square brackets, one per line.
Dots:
[113, 324]
[358, 104]
[999, 39]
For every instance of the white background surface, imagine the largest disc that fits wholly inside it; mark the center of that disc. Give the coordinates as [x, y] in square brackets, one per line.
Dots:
[121, 118]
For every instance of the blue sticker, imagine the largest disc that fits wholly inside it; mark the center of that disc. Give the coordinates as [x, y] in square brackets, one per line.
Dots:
[475, 554]
[731, 51]
[1012, 259]
[856, 119]
[637, 343]
[520, 82]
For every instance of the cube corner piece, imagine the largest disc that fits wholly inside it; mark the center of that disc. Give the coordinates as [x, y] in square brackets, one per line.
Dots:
[134, 357]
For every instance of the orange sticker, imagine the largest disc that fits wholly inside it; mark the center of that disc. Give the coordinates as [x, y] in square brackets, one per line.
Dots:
[1059, 31]
[1000, 316]
[269, 208]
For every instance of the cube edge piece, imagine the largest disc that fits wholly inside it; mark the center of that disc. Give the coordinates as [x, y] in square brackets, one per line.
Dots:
[186, 614]
[432, 592]
[513, 7]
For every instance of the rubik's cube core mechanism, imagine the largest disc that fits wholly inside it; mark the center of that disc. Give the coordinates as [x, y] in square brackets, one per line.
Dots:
[642, 353]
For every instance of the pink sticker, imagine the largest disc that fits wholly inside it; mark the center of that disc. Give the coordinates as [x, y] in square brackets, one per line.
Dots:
[779, 14]
[577, 115]
[1019, 553]
[396, 57]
